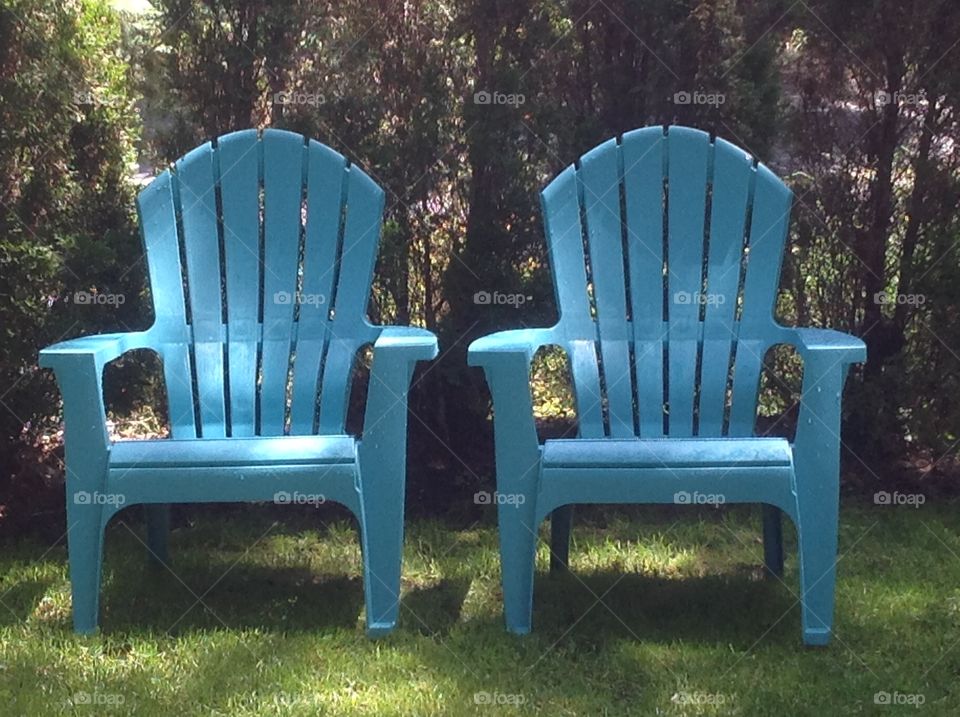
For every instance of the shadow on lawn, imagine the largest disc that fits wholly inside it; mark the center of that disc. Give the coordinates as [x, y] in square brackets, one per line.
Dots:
[219, 595]
[276, 599]
[734, 608]
[19, 601]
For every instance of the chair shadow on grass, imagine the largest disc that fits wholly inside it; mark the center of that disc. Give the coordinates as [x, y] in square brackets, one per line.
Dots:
[735, 607]
[19, 601]
[436, 609]
[234, 595]
[227, 595]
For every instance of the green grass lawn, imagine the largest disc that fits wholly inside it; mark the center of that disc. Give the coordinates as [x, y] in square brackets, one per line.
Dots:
[665, 612]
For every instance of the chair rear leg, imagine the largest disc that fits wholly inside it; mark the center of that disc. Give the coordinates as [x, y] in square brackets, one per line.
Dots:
[817, 542]
[158, 530]
[85, 549]
[561, 523]
[773, 540]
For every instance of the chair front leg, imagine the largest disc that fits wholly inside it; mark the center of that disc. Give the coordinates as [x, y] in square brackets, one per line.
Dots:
[817, 466]
[382, 456]
[518, 474]
[88, 507]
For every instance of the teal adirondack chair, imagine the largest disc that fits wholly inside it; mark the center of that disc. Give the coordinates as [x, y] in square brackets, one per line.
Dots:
[258, 333]
[665, 320]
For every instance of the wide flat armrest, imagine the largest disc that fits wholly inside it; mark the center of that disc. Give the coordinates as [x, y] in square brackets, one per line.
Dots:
[843, 347]
[523, 341]
[414, 343]
[102, 348]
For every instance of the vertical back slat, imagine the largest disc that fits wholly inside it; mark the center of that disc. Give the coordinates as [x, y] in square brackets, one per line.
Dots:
[561, 211]
[643, 191]
[732, 171]
[326, 172]
[586, 375]
[196, 182]
[350, 328]
[768, 231]
[688, 158]
[282, 193]
[600, 186]
[240, 201]
[158, 224]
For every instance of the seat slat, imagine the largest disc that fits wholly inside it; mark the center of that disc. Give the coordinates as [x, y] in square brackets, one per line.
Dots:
[732, 174]
[689, 154]
[666, 453]
[280, 450]
[600, 188]
[196, 180]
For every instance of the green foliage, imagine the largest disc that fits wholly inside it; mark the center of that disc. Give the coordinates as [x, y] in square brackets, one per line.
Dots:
[68, 130]
[392, 86]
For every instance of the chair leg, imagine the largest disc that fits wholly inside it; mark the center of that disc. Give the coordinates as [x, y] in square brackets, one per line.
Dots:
[158, 528]
[561, 523]
[381, 527]
[773, 540]
[518, 554]
[85, 549]
[817, 541]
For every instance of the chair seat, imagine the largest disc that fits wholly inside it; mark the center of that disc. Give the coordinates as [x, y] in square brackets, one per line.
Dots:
[206, 452]
[666, 453]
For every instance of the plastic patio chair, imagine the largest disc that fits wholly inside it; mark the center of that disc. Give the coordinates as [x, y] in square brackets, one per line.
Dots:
[260, 251]
[665, 319]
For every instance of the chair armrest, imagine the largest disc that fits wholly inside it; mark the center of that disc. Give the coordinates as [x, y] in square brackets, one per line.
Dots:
[395, 353]
[78, 365]
[842, 347]
[827, 356]
[486, 349]
[413, 343]
[101, 349]
[506, 357]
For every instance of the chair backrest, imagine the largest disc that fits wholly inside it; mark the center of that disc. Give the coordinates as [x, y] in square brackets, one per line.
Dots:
[666, 250]
[261, 250]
